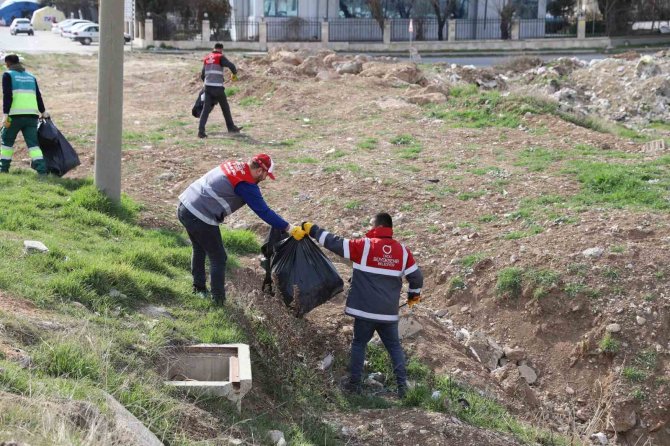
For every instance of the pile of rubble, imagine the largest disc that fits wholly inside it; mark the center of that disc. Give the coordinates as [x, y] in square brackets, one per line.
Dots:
[628, 88]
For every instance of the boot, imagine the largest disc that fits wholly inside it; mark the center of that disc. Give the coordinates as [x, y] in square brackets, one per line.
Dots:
[4, 165]
[40, 166]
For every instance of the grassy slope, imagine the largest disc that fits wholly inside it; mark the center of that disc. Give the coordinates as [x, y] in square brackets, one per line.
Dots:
[99, 257]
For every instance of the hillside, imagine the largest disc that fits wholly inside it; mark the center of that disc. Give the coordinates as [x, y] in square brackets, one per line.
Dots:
[539, 219]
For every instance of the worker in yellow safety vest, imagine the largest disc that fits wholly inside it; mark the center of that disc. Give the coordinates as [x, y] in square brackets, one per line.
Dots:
[21, 105]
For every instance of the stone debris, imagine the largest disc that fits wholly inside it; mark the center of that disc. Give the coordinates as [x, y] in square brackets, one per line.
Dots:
[31, 246]
[277, 438]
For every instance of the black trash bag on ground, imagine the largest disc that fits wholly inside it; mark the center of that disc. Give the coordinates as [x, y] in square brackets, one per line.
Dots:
[58, 153]
[303, 275]
[196, 111]
[268, 249]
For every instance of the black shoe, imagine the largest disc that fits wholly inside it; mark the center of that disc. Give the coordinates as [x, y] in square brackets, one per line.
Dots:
[235, 129]
[201, 292]
[219, 300]
[402, 390]
[354, 388]
[202, 135]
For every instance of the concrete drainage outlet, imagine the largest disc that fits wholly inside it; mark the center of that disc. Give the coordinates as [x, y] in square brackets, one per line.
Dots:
[215, 369]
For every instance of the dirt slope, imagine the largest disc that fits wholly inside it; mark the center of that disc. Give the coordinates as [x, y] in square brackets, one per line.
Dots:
[462, 194]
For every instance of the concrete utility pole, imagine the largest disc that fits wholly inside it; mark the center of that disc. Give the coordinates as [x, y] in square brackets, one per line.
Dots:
[110, 100]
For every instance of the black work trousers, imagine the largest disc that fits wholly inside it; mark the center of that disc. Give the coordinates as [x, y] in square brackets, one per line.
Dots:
[213, 96]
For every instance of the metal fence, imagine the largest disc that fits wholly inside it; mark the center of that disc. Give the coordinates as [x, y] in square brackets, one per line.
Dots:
[490, 29]
[175, 28]
[355, 30]
[426, 29]
[596, 28]
[237, 31]
[543, 28]
[294, 29]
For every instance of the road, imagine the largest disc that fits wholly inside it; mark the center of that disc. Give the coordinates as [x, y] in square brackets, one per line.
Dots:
[43, 41]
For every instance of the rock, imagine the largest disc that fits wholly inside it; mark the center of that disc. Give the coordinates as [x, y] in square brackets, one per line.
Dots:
[155, 312]
[515, 385]
[287, 57]
[484, 349]
[613, 328]
[514, 354]
[327, 362]
[528, 374]
[593, 253]
[331, 59]
[352, 67]
[166, 176]
[277, 437]
[647, 68]
[436, 395]
[311, 66]
[371, 382]
[427, 98]
[442, 313]
[326, 76]
[34, 246]
[600, 439]
[408, 327]
[622, 417]
[378, 376]
[129, 430]
[569, 390]
[116, 294]
[640, 320]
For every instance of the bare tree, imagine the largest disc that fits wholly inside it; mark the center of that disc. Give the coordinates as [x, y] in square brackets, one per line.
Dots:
[506, 10]
[443, 9]
[377, 11]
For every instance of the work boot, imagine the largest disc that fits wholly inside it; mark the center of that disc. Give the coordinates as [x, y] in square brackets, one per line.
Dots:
[202, 135]
[40, 166]
[402, 390]
[235, 129]
[352, 387]
[219, 300]
[4, 166]
[201, 292]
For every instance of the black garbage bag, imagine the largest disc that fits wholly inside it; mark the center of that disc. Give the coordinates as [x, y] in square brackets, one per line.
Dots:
[196, 111]
[303, 275]
[58, 153]
[268, 249]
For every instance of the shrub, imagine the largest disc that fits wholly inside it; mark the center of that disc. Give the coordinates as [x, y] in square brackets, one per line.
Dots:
[609, 345]
[68, 360]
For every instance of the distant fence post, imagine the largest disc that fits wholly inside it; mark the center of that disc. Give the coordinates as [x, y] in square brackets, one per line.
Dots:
[148, 30]
[387, 32]
[206, 33]
[451, 30]
[516, 29]
[581, 27]
[263, 34]
[325, 30]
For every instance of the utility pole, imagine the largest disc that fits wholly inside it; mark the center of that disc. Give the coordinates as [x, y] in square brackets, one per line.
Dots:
[110, 100]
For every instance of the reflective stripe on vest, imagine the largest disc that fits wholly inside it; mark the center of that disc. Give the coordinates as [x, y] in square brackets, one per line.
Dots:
[213, 70]
[24, 94]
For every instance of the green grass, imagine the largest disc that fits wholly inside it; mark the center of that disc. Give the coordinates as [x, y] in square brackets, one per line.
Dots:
[470, 195]
[303, 160]
[471, 260]
[367, 144]
[538, 159]
[402, 140]
[641, 185]
[634, 374]
[353, 204]
[250, 101]
[232, 91]
[609, 345]
[509, 281]
[456, 283]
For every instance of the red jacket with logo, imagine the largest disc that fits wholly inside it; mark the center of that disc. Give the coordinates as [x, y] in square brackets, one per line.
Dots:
[380, 263]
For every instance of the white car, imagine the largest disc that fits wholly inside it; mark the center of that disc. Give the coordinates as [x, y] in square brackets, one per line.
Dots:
[56, 27]
[66, 28]
[21, 26]
[85, 33]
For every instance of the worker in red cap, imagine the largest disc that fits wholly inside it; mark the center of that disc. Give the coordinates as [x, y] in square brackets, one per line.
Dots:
[207, 201]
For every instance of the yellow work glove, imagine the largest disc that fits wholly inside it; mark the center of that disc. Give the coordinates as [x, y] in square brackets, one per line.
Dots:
[411, 301]
[307, 226]
[234, 78]
[296, 232]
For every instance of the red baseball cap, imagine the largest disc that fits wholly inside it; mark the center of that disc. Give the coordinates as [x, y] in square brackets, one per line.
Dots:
[265, 162]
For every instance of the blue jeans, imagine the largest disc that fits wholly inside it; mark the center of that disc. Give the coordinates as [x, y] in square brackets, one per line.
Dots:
[207, 242]
[388, 332]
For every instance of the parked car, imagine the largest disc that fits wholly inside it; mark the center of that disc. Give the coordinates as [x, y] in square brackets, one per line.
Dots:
[56, 27]
[85, 33]
[65, 29]
[127, 37]
[21, 26]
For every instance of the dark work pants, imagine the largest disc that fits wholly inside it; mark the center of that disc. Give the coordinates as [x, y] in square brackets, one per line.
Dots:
[363, 332]
[213, 96]
[207, 242]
